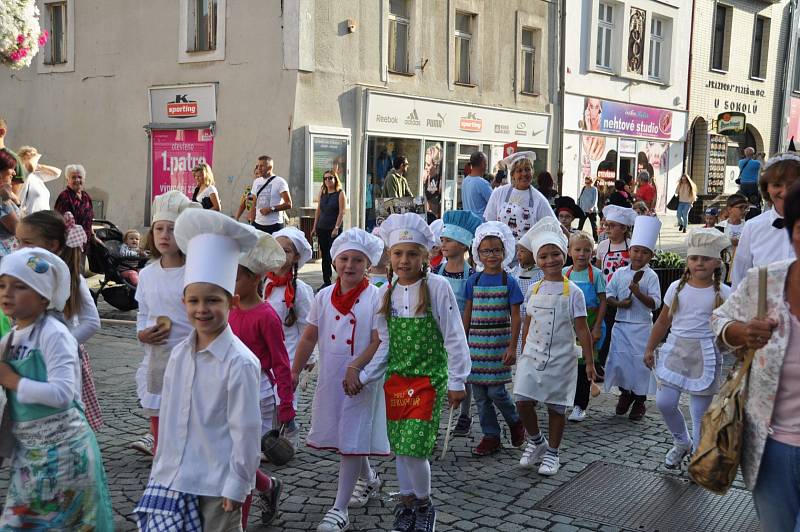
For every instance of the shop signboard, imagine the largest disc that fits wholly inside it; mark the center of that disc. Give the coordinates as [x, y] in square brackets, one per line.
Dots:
[174, 152]
[183, 105]
[622, 119]
[731, 123]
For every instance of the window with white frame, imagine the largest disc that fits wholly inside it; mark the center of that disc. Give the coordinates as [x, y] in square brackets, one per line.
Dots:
[760, 49]
[655, 68]
[399, 24]
[528, 50]
[605, 32]
[55, 19]
[203, 25]
[463, 46]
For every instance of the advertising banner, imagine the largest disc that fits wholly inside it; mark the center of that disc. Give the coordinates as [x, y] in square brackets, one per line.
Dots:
[623, 119]
[654, 158]
[174, 153]
[794, 122]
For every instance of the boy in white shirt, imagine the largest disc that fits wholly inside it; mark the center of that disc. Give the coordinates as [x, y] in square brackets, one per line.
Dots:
[206, 462]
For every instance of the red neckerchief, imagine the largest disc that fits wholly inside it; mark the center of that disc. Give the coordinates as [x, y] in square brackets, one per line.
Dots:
[436, 261]
[344, 302]
[288, 292]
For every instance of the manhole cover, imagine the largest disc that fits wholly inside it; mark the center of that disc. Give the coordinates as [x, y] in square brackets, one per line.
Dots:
[647, 501]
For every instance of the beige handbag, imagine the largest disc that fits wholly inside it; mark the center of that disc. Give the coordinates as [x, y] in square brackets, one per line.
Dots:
[719, 452]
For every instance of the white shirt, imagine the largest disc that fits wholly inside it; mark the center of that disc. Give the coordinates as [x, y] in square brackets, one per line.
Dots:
[759, 245]
[206, 193]
[86, 323]
[577, 302]
[541, 207]
[209, 437]
[60, 354]
[269, 197]
[618, 288]
[303, 298]
[35, 194]
[445, 311]
[693, 319]
[734, 231]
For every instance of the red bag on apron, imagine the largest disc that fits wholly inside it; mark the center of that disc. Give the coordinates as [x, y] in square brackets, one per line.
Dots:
[409, 398]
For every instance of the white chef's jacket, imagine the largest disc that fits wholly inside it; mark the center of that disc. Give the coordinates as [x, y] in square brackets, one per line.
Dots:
[86, 323]
[445, 311]
[303, 299]
[209, 434]
[638, 312]
[759, 245]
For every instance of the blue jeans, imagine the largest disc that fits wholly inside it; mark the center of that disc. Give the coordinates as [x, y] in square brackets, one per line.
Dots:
[683, 213]
[777, 491]
[487, 397]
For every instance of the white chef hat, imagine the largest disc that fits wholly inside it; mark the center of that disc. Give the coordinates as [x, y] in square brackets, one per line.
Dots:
[359, 240]
[212, 243]
[499, 230]
[621, 215]
[299, 241]
[436, 228]
[266, 256]
[516, 157]
[44, 272]
[645, 232]
[407, 228]
[169, 205]
[707, 242]
[545, 231]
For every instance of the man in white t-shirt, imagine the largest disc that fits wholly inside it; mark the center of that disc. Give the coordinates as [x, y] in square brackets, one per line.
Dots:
[272, 196]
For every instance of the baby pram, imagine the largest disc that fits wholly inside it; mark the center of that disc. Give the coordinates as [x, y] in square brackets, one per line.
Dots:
[105, 260]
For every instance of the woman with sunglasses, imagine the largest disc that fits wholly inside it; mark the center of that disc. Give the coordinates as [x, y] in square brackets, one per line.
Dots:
[328, 219]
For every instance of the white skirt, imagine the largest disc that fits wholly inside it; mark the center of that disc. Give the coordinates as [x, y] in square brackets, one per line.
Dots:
[625, 366]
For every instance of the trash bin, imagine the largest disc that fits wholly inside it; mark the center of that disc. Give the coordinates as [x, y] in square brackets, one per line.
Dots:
[306, 225]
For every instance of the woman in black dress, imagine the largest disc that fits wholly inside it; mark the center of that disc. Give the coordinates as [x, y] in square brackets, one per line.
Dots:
[328, 219]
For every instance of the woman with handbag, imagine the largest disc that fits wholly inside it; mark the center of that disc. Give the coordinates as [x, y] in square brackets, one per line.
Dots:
[331, 207]
[687, 195]
[770, 455]
[205, 193]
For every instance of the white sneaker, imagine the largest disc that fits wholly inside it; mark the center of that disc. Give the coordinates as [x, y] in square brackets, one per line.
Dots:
[550, 465]
[675, 456]
[334, 521]
[364, 490]
[144, 445]
[532, 455]
[293, 436]
[578, 414]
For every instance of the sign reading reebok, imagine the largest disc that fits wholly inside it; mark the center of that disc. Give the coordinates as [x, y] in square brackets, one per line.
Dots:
[184, 105]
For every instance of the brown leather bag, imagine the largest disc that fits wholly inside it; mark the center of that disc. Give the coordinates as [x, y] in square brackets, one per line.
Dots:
[719, 452]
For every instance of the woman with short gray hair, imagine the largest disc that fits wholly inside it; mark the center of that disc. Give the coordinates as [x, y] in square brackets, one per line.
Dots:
[75, 199]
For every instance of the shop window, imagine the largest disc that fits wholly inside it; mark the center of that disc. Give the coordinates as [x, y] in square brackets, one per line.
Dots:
[720, 49]
[399, 24]
[636, 31]
[463, 46]
[55, 51]
[528, 60]
[657, 48]
[605, 32]
[760, 49]
[203, 31]
[796, 80]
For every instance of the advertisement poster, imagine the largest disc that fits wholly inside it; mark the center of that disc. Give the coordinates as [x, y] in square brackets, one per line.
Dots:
[174, 153]
[794, 122]
[330, 153]
[622, 119]
[599, 161]
[655, 154]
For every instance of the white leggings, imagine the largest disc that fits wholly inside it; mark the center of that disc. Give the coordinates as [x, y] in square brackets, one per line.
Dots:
[414, 476]
[351, 468]
[267, 414]
[667, 401]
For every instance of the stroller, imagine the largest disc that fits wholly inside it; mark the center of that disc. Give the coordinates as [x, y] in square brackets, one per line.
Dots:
[105, 260]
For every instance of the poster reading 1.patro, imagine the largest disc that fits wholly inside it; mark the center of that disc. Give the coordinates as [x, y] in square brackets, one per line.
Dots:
[175, 152]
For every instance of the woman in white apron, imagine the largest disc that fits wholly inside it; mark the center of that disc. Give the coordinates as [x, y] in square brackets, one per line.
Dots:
[556, 313]
[689, 361]
[518, 204]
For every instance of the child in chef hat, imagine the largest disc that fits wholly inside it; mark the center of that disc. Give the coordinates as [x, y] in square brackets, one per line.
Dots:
[346, 324]
[436, 251]
[49, 432]
[209, 404]
[635, 293]
[428, 359]
[256, 323]
[556, 314]
[492, 321]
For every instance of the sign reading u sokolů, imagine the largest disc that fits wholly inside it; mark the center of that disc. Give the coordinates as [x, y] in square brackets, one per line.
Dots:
[731, 123]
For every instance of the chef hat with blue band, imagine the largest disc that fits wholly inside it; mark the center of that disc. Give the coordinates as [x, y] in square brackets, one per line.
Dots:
[407, 228]
[355, 239]
[460, 226]
[44, 272]
[497, 230]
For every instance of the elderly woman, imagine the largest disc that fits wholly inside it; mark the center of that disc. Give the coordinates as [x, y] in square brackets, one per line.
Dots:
[518, 204]
[771, 449]
[9, 212]
[76, 200]
[205, 193]
[35, 195]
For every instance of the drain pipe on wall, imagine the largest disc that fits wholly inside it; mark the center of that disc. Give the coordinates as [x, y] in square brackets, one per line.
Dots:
[689, 142]
[789, 74]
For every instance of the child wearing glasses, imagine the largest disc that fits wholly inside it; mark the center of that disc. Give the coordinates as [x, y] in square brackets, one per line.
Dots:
[492, 323]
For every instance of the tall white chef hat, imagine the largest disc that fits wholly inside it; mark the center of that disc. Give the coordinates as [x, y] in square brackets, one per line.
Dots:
[169, 205]
[545, 231]
[266, 256]
[43, 271]
[299, 241]
[359, 240]
[436, 228]
[621, 215]
[498, 230]
[407, 228]
[645, 232]
[707, 242]
[212, 243]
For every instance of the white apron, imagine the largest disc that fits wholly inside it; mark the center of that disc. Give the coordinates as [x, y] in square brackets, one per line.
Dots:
[518, 218]
[625, 367]
[691, 365]
[546, 369]
[348, 425]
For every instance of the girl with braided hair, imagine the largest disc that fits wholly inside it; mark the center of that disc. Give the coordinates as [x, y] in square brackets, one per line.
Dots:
[689, 361]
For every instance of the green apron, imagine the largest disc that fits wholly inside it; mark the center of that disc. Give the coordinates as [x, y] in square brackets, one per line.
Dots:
[57, 477]
[416, 385]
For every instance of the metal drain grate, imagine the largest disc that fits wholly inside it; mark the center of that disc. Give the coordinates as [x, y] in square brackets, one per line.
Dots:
[647, 501]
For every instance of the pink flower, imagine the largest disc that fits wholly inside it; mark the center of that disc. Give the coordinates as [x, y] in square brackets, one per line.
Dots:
[23, 52]
[14, 56]
[43, 38]
[20, 38]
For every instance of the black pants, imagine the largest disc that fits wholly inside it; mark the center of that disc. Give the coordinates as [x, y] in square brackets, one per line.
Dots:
[752, 192]
[583, 388]
[592, 216]
[636, 398]
[274, 228]
[325, 239]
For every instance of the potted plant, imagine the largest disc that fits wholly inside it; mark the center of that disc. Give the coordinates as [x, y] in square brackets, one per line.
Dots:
[669, 267]
[20, 34]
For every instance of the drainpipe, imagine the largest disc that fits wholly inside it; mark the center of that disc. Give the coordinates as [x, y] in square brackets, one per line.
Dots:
[788, 78]
[688, 93]
[560, 7]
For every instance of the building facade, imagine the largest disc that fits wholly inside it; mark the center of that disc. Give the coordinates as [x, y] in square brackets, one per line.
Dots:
[625, 92]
